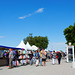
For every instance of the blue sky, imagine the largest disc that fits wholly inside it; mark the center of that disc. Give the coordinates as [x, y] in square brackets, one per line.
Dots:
[49, 18]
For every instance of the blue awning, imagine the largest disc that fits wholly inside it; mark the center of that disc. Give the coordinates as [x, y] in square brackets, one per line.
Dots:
[6, 48]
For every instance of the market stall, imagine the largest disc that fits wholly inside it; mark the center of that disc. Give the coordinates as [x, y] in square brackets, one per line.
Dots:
[3, 53]
[23, 54]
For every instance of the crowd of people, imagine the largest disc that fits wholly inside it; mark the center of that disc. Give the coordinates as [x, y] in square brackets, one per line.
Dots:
[38, 57]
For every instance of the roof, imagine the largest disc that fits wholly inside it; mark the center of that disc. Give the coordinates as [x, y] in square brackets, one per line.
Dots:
[22, 45]
[6, 48]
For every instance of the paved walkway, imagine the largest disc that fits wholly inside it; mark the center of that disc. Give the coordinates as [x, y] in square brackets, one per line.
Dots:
[63, 69]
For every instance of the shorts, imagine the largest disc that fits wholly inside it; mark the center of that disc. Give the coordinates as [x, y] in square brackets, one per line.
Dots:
[43, 59]
[48, 57]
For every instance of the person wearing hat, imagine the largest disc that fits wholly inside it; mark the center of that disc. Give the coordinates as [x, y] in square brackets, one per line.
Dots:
[11, 55]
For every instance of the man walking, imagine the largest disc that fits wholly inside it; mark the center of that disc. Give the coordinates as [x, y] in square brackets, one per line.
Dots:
[11, 55]
[59, 57]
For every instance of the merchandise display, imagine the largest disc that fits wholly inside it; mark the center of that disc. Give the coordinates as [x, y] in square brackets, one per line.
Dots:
[23, 57]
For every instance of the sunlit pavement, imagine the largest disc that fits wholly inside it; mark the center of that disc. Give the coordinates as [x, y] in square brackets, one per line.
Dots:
[49, 69]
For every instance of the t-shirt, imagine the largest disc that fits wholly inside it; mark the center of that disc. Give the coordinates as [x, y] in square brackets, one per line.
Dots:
[43, 56]
[54, 55]
[49, 54]
[40, 54]
[12, 54]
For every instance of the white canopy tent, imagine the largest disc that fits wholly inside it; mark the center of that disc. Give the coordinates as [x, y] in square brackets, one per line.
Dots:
[22, 45]
[46, 50]
[34, 47]
[28, 46]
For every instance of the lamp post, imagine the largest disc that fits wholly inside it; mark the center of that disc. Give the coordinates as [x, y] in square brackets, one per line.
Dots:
[69, 43]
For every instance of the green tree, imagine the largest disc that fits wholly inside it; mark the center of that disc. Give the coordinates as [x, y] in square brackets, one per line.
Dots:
[29, 39]
[70, 34]
[39, 41]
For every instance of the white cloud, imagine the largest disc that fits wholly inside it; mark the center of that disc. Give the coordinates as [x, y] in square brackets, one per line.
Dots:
[1, 36]
[40, 10]
[57, 46]
[25, 16]
[21, 17]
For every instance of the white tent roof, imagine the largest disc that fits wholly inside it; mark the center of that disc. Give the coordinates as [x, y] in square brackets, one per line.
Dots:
[22, 45]
[28, 46]
[34, 47]
[46, 50]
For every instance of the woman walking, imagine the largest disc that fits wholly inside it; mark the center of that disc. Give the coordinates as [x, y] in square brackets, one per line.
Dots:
[40, 53]
[43, 57]
[54, 57]
[37, 57]
[49, 55]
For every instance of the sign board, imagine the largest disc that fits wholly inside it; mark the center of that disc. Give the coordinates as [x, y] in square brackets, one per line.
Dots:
[70, 53]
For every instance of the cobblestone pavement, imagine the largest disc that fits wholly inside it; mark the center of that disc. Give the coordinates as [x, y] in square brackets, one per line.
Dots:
[49, 69]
